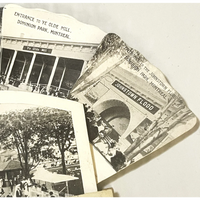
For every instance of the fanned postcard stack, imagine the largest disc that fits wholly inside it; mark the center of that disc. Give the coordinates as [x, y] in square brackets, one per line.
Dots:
[77, 106]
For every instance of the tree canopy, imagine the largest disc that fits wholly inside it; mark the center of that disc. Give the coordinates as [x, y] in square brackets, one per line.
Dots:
[35, 132]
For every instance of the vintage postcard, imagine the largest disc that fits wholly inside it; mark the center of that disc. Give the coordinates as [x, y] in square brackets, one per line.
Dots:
[44, 52]
[44, 147]
[131, 109]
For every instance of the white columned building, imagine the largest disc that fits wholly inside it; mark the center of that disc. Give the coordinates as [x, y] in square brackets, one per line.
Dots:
[30, 61]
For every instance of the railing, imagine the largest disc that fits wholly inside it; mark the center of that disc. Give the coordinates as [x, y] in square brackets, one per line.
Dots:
[37, 88]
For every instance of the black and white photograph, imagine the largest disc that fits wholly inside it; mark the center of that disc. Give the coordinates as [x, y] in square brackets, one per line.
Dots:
[99, 99]
[39, 155]
[131, 109]
[44, 52]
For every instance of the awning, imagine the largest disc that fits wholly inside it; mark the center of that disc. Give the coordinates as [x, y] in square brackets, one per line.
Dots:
[46, 176]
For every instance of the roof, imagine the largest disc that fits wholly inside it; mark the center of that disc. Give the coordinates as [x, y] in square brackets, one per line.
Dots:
[10, 165]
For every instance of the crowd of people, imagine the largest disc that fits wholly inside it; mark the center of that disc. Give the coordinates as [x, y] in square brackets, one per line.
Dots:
[24, 188]
[40, 88]
[100, 134]
[11, 187]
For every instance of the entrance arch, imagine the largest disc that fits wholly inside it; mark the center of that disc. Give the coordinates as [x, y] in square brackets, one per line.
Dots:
[116, 113]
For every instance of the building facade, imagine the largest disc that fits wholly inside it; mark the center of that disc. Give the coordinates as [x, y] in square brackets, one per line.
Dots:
[140, 120]
[35, 65]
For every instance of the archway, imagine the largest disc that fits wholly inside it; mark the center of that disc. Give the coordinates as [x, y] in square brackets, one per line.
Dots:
[115, 113]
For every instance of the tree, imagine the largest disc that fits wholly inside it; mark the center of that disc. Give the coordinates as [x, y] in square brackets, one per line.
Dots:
[60, 127]
[23, 131]
[34, 132]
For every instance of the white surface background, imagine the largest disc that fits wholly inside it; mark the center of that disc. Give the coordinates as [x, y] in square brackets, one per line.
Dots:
[168, 35]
